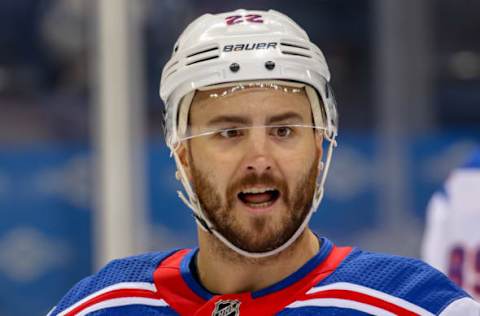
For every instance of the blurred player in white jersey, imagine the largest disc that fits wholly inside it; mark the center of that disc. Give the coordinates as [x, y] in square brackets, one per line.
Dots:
[452, 235]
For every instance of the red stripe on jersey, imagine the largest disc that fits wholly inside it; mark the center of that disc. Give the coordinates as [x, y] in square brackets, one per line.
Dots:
[349, 295]
[120, 293]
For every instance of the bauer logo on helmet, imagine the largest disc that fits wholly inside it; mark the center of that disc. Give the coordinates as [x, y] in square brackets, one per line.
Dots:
[249, 46]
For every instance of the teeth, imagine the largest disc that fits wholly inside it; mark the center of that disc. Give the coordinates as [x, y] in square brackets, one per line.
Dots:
[257, 190]
[260, 205]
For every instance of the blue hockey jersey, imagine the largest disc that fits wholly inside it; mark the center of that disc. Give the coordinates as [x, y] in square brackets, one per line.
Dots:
[336, 281]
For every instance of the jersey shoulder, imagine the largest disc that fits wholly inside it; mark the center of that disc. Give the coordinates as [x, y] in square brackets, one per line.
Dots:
[135, 273]
[408, 279]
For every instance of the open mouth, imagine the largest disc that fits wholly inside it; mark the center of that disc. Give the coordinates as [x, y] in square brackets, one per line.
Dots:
[259, 197]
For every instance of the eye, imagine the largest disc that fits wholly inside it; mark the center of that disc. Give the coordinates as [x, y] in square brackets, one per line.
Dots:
[230, 133]
[282, 131]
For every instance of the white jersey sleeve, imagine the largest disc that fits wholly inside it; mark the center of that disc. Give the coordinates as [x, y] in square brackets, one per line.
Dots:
[465, 307]
[437, 224]
[452, 235]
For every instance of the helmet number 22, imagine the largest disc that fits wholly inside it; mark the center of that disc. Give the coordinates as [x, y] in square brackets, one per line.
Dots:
[236, 19]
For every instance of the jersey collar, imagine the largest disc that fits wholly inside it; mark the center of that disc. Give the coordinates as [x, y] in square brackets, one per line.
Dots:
[325, 248]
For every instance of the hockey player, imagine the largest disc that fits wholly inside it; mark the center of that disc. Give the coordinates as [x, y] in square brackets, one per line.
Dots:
[251, 122]
[452, 236]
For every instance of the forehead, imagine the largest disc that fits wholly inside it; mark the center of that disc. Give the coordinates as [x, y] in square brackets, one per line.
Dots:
[255, 102]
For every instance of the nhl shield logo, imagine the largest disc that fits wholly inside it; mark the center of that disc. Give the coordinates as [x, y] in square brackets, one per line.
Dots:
[227, 308]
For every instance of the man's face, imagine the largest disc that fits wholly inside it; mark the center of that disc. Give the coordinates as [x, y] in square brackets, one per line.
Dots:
[256, 185]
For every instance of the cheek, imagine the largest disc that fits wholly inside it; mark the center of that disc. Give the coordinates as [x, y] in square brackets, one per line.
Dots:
[295, 170]
[295, 166]
[218, 168]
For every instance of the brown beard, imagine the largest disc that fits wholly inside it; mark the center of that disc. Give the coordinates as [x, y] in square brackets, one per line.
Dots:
[258, 234]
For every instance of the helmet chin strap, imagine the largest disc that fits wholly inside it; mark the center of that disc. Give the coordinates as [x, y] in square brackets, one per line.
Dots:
[202, 220]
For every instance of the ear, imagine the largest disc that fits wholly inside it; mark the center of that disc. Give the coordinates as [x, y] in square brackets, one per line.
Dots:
[319, 143]
[184, 160]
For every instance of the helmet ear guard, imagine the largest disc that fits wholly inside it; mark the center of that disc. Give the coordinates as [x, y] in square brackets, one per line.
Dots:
[217, 50]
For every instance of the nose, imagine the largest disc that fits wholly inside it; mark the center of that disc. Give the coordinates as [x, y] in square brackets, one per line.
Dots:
[258, 157]
[259, 165]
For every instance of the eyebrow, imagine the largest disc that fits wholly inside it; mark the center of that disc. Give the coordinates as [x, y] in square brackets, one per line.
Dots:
[228, 119]
[292, 116]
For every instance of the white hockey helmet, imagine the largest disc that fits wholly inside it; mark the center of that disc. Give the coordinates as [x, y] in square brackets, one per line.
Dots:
[245, 46]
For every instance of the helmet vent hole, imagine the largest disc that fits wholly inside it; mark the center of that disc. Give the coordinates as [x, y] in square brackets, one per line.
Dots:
[270, 65]
[234, 67]
[285, 52]
[295, 50]
[202, 55]
[170, 73]
[202, 60]
[170, 67]
[294, 46]
[203, 51]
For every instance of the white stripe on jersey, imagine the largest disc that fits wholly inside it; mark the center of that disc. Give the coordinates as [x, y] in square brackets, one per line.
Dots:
[116, 302]
[119, 286]
[334, 302]
[364, 290]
